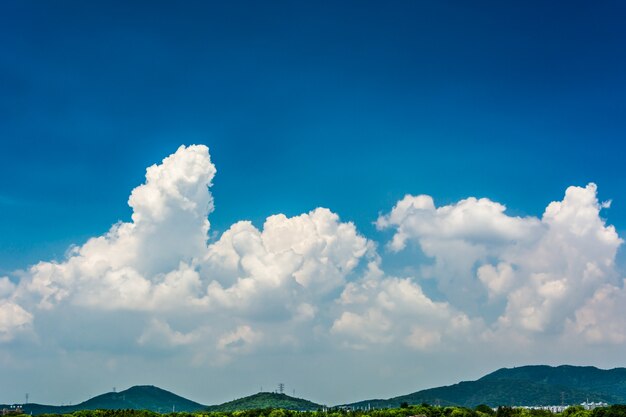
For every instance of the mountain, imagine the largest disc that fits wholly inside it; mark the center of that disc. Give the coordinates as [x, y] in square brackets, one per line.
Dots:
[526, 385]
[610, 382]
[147, 397]
[266, 400]
[141, 397]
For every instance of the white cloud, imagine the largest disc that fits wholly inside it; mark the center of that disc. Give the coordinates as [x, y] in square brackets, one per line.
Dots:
[13, 319]
[160, 270]
[160, 334]
[572, 260]
[291, 260]
[498, 279]
[458, 237]
[6, 287]
[240, 339]
[382, 310]
[544, 269]
[602, 319]
[119, 269]
[313, 283]
[479, 221]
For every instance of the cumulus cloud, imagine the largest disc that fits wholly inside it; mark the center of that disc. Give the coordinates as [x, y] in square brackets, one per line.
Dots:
[160, 268]
[6, 287]
[159, 334]
[602, 318]
[312, 281]
[289, 262]
[498, 279]
[120, 268]
[544, 269]
[381, 310]
[479, 221]
[457, 237]
[13, 319]
[240, 339]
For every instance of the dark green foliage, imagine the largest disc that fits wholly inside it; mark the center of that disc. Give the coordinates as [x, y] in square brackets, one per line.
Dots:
[612, 411]
[484, 408]
[504, 411]
[423, 410]
[540, 413]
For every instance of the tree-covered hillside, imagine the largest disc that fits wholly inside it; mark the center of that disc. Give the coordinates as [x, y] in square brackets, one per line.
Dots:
[527, 385]
[141, 397]
[610, 382]
[266, 400]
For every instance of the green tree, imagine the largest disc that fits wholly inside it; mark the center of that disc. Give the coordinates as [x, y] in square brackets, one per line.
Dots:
[484, 408]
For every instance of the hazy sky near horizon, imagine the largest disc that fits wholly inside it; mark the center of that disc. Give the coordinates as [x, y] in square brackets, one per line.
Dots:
[357, 199]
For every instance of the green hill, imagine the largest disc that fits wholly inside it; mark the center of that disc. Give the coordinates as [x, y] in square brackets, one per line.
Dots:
[611, 382]
[266, 400]
[151, 398]
[527, 385]
[142, 397]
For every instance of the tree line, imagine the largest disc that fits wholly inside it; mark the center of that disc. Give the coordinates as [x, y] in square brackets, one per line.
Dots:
[423, 410]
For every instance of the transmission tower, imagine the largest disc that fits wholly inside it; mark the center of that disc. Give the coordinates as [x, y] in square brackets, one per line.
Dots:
[281, 388]
[26, 398]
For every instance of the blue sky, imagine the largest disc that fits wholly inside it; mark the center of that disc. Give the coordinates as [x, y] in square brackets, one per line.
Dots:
[343, 105]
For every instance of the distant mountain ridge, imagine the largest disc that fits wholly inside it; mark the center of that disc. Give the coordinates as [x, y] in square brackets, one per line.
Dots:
[525, 385]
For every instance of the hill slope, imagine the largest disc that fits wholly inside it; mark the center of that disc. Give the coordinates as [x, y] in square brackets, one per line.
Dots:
[141, 397]
[526, 385]
[610, 382]
[266, 400]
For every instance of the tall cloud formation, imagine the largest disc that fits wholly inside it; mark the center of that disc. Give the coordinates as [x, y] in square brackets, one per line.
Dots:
[135, 263]
[313, 280]
[160, 266]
